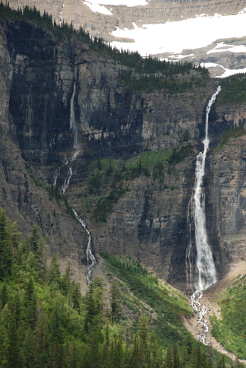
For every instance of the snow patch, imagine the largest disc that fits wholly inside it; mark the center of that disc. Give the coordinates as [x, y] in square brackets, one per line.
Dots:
[227, 72]
[174, 37]
[243, 11]
[211, 65]
[228, 48]
[97, 8]
[230, 72]
[129, 3]
[97, 5]
[180, 57]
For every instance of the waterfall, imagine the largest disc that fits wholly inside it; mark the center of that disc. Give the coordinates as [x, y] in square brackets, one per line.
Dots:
[204, 274]
[72, 120]
[76, 147]
[204, 259]
[90, 258]
[66, 183]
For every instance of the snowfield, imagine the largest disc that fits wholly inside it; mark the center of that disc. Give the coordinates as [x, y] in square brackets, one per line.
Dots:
[174, 37]
[223, 47]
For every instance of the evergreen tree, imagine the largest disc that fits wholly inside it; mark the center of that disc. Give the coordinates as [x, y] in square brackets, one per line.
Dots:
[5, 247]
[115, 302]
[30, 303]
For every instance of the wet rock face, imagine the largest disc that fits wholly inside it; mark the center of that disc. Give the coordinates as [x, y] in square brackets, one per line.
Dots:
[149, 220]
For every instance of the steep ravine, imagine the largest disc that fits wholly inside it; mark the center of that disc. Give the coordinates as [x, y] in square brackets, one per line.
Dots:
[146, 210]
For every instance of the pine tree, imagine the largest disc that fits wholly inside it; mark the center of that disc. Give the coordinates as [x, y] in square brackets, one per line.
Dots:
[5, 247]
[94, 306]
[115, 302]
[36, 247]
[14, 308]
[30, 303]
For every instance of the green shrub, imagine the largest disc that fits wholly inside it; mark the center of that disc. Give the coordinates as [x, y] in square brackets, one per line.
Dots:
[230, 331]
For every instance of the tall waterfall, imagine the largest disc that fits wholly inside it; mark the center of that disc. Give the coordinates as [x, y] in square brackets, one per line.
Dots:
[204, 259]
[72, 120]
[76, 147]
[90, 258]
[204, 274]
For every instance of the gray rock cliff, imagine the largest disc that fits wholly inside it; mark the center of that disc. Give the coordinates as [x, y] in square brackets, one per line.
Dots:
[134, 174]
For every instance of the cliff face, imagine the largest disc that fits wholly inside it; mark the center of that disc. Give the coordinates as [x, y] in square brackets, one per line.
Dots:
[30, 118]
[226, 184]
[133, 177]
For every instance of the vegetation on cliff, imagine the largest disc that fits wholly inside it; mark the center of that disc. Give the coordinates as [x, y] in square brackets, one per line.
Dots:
[45, 322]
[233, 90]
[230, 330]
[108, 179]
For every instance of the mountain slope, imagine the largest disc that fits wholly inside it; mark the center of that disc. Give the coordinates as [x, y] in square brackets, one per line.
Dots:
[162, 28]
[133, 142]
[46, 322]
[229, 329]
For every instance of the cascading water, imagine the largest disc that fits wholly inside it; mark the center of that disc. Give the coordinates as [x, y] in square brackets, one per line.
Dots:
[66, 183]
[73, 126]
[204, 274]
[76, 147]
[90, 258]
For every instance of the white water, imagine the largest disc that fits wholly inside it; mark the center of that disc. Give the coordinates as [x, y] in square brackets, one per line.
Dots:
[73, 126]
[204, 259]
[72, 120]
[189, 258]
[67, 180]
[90, 258]
[204, 274]
[201, 314]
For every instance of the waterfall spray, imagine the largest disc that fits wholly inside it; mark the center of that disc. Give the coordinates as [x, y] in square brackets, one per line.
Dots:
[204, 274]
